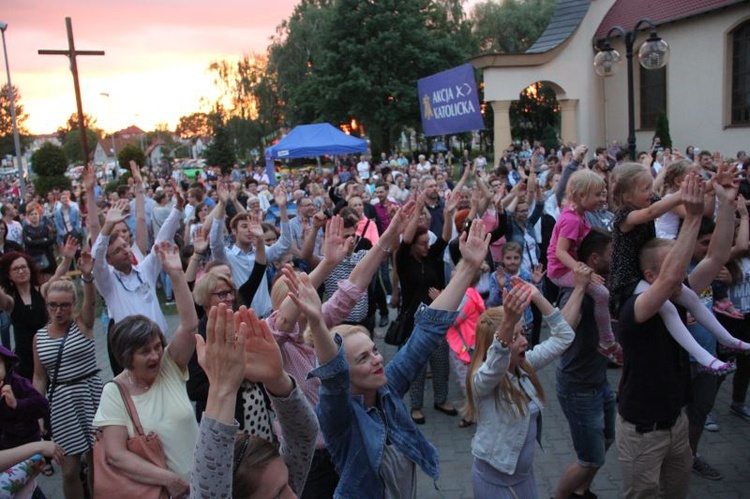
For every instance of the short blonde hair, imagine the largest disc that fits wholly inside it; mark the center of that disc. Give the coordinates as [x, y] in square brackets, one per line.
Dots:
[206, 284]
[583, 183]
[627, 178]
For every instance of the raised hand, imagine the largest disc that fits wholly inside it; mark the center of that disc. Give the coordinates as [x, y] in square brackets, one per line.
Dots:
[335, 246]
[179, 198]
[89, 178]
[135, 171]
[200, 241]
[303, 294]
[742, 206]
[279, 195]
[516, 301]
[86, 262]
[537, 273]
[169, 256]
[223, 192]
[263, 363]
[452, 201]
[70, 248]
[474, 244]
[500, 277]
[319, 220]
[254, 225]
[400, 219]
[222, 353]
[118, 212]
[691, 192]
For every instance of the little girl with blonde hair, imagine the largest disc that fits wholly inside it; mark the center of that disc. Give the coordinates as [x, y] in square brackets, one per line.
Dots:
[633, 227]
[586, 191]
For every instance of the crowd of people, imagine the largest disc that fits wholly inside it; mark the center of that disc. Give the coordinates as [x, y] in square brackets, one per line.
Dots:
[272, 384]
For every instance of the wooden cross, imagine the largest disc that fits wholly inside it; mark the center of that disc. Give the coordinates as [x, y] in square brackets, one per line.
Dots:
[71, 54]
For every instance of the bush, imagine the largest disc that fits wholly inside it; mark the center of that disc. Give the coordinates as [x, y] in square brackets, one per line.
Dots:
[131, 152]
[50, 161]
[45, 184]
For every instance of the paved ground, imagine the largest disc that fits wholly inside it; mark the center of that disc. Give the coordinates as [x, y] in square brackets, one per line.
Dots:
[728, 450]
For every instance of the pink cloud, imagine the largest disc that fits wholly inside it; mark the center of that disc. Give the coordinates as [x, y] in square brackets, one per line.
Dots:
[139, 37]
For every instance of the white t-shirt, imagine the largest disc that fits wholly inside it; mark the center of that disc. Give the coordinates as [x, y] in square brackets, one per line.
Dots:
[165, 409]
[363, 168]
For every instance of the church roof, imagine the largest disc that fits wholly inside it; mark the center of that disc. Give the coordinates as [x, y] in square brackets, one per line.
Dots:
[626, 13]
[568, 16]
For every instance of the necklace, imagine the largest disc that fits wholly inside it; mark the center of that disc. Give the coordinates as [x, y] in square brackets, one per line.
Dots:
[142, 387]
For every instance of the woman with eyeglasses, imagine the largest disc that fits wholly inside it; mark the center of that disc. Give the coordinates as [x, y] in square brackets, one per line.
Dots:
[22, 296]
[65, 371]
[216, 287]
[155, 373]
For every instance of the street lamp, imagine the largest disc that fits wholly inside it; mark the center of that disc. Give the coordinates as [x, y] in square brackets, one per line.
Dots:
[16, 137]
[653, 54]
[115, 165]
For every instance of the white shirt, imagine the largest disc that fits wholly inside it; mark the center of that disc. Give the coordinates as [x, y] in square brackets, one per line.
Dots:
[133, 293]
[242, 263]
[363, 168]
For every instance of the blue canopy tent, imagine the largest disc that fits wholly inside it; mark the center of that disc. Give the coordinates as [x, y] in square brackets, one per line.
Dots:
[307, 141]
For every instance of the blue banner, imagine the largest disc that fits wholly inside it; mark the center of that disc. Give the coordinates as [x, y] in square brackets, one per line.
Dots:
[449, 102]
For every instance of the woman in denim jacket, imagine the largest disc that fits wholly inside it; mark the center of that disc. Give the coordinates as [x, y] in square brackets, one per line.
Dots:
[505, 396]
[372, 440]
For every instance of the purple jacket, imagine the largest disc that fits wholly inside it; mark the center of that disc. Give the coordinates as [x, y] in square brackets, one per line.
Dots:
[20, 425]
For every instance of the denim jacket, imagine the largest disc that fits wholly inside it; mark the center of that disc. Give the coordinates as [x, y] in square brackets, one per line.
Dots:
[501, 431]
[355, 434]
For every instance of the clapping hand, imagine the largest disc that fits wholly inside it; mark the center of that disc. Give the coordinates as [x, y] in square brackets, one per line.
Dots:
[537, 273]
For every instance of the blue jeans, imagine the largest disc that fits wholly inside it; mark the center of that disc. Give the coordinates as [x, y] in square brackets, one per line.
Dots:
[591, 417]
[166, 283]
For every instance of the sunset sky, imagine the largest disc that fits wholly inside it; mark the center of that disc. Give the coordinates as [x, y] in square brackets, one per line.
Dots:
[157, 54]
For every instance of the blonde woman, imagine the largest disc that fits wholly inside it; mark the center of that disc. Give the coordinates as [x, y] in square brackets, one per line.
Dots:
[504, 395]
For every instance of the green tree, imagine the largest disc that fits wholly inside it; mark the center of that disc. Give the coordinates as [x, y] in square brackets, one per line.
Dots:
[7, 144]
[535, 110]
[511, 26]
[72, 144]
[72, 124]
[374, 52]
[220, 151]
[193, 126]
[662, 130]
[50, 164]
[131, 152]
[296, 48]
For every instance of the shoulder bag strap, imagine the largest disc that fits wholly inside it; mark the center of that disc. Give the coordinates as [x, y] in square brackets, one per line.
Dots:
[57, 364]
[130, 407]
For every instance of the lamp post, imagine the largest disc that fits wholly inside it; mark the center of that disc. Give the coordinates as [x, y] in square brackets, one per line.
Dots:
[115, 164]
[16, 136]
[653, 54]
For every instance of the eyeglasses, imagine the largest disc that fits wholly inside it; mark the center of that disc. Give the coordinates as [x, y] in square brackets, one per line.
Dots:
[223, 295]
[64, 307]
[22, 268]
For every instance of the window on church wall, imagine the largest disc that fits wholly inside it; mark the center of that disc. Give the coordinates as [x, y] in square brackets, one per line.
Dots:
[741, 74]
[653, 96]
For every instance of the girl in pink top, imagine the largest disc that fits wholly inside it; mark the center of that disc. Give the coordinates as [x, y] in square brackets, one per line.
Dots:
[462, 334]
[586, 191]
